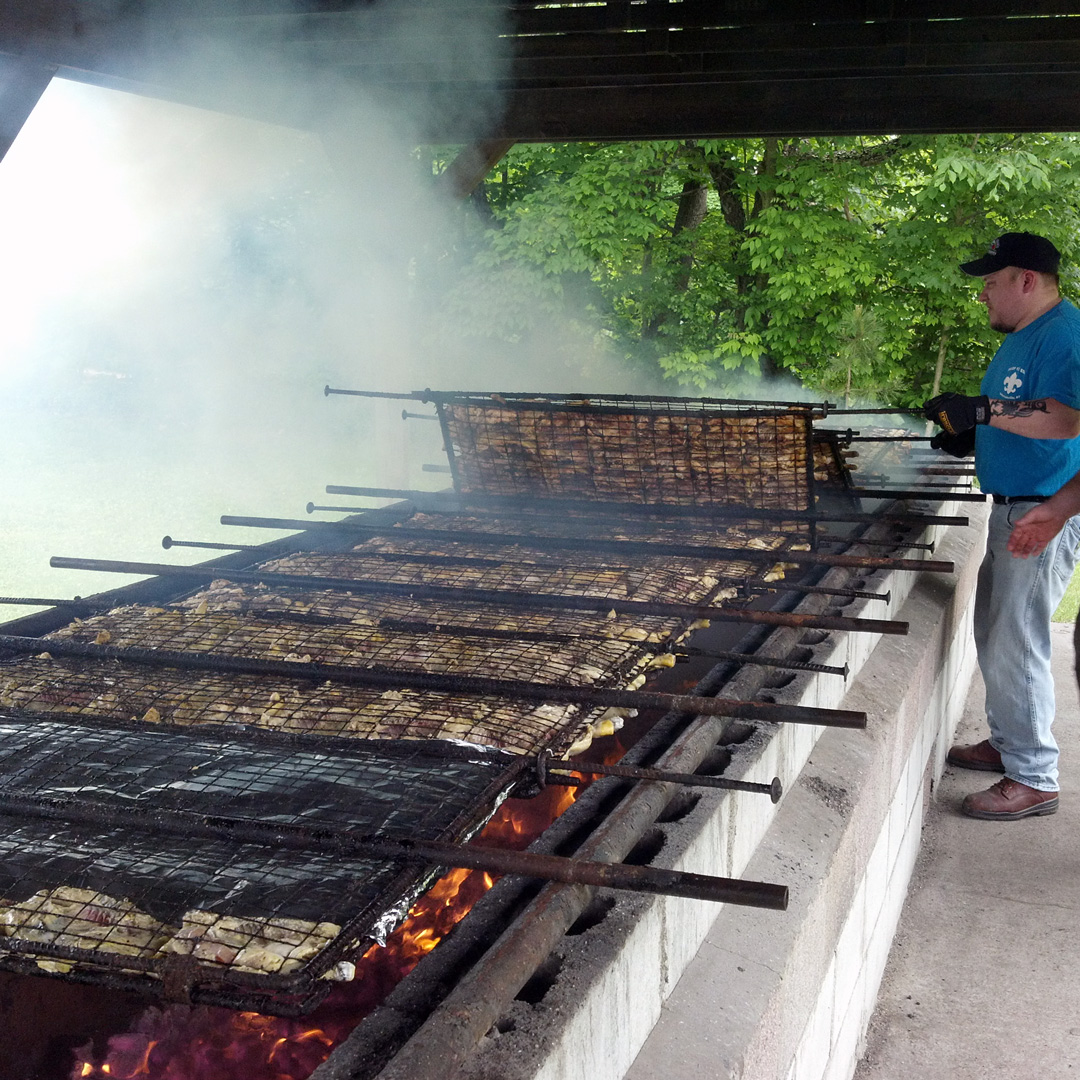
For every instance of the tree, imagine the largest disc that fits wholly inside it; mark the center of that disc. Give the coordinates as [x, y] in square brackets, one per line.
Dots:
[700, 261]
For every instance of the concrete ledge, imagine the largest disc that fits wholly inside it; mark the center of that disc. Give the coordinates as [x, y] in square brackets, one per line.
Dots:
[752, 993]
[791, 996]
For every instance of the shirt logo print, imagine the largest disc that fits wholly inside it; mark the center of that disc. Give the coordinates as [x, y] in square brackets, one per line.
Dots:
[1013, 383]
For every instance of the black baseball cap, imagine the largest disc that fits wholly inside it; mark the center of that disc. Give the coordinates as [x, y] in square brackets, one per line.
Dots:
[1022, 249]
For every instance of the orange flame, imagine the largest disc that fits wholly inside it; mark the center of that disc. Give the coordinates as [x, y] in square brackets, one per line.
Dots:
[184, 1043]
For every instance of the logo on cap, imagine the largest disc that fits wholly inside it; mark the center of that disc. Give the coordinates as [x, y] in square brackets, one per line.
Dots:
[992, 249]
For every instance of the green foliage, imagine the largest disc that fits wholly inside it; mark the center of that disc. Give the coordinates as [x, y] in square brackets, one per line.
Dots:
[711, 260]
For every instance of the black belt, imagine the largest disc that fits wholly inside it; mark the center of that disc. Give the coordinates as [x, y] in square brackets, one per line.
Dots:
[1006, 500]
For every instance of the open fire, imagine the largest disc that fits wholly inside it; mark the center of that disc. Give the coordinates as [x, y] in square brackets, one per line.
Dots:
[519, 628]
[180, 1042]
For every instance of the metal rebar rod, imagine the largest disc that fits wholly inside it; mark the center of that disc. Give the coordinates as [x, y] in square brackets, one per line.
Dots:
[346, 843]
[927, 494]
[945, 470]
[417, 395]
[774, 790]
[555, 638]
[886, 438]
[763, 661]
[756, 587]
[873, 412]
[456, 502]
[548, 400]
[829, 538]
[38, 601]
[588, 543]
[505, 597]
[399, 678]
[168, 542]
[727, 580]
[382, 556]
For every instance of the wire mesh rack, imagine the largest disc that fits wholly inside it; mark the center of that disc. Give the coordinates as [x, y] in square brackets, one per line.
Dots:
[645, 450]
[107, 863]
[324, 607]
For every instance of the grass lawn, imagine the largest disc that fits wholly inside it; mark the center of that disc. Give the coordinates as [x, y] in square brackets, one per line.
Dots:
[1070, 603]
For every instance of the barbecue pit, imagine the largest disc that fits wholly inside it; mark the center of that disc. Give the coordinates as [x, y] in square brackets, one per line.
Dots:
[368, 634]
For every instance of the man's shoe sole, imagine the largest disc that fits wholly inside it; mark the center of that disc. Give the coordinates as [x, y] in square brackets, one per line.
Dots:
[1048, 807]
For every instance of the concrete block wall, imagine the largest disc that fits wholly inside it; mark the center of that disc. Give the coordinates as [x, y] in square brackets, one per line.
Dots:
[666, 987]
[792, 998]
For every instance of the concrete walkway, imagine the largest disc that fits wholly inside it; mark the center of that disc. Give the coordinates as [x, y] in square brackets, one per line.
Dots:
[984, 975]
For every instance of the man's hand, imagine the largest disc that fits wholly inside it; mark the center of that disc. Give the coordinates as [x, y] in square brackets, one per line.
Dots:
[1036, 529]
[961, 446]
[956, 413]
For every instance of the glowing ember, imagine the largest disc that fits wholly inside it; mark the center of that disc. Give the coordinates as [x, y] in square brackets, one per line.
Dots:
[179, 1042]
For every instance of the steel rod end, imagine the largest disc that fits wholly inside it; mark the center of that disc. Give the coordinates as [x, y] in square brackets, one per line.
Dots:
[166, 542]
[311, 508]
[326, 390]
[776, 789]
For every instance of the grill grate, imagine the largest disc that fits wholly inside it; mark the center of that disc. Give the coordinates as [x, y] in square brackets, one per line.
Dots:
[119, 896]
[337, 607]
[85, 687]
[648, 451]
[103, 736]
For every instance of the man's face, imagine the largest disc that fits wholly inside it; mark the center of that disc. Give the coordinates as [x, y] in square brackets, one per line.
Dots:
[1005, 298]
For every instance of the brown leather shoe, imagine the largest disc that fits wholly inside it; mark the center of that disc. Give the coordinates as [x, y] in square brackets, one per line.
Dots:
[1008, 800]
[980, 756]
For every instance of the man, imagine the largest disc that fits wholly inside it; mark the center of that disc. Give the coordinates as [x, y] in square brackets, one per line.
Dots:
[1024, 427]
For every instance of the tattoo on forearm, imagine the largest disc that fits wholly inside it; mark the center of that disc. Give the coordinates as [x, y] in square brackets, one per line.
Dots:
[1017, 408]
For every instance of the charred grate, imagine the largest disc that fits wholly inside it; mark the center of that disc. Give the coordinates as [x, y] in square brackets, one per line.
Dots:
[752, 533]
[123, 898]
[831, 468]
[223, 634]
[334, 608]
[63, 686]
[660, 450]
[664, 580]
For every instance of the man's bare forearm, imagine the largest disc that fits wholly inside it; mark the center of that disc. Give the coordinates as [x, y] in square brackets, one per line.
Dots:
[1039, 418]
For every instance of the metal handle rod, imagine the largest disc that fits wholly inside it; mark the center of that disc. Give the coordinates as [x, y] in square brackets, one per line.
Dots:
[774, 790]
[417, 395]
[581, 543]
[813, 590]
[38, 601]
[816, 589]
[887, 438]
[168, 542]
[346, 843]
[541, 400]
[830, 538]
[874, 412]
[456, 502]
[928, 494]
[506, 597]
[406, 415]
[763, 661]
[398, 678]
[413, 626]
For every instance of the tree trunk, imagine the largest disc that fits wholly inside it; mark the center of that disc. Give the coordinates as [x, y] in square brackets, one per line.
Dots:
[693, 206]
[939, 368]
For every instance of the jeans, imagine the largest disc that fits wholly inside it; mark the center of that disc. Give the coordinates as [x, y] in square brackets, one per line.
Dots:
[1014, 600]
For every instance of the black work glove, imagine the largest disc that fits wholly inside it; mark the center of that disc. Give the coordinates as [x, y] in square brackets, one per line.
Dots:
[962, 445]
[956, 413]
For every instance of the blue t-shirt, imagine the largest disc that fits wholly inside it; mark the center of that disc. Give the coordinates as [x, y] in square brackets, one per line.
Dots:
[1040, 361]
